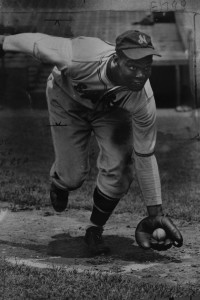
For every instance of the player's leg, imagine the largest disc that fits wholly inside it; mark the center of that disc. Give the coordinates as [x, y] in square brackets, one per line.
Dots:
[71, 135]
[113, 131]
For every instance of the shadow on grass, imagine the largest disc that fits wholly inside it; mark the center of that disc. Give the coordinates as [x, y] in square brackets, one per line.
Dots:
[122, 248]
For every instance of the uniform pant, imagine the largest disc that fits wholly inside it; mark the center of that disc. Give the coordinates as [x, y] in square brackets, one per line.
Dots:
[72, 125]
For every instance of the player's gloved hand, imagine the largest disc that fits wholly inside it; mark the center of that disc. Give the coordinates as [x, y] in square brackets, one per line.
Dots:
[145, 228]
[2, 52]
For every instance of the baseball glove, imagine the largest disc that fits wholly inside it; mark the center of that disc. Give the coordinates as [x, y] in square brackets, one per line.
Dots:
[145, 228]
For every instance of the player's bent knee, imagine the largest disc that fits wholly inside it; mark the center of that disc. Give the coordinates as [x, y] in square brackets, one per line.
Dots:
[114, 187]
[74, 183]
[67, 181]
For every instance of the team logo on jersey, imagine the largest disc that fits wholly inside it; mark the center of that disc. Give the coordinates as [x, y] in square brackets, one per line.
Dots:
[80, 87]
[93, 95]
[142, 40]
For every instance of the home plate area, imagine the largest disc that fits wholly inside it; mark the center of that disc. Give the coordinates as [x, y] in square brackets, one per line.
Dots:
[44, 239]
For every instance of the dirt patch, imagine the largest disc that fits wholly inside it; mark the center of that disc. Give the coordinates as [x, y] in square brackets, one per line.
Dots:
[44, 239]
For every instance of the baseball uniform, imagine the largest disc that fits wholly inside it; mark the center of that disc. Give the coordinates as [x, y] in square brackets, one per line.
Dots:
[83, 100]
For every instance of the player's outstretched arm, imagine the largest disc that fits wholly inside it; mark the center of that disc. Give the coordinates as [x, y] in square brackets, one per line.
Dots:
[149, 180]
[48, 49]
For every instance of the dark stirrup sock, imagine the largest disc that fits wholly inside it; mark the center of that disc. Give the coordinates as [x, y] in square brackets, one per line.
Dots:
[103, 207]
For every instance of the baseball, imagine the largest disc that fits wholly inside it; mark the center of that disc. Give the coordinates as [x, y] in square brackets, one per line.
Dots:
[159, 234]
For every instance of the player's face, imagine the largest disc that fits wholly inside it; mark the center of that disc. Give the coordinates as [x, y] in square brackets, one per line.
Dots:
[134, 73]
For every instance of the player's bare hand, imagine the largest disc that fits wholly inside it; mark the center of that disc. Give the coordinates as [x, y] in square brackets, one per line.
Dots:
[147, 237]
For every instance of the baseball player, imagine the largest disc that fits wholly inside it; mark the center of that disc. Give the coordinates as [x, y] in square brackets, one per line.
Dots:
[102, 88]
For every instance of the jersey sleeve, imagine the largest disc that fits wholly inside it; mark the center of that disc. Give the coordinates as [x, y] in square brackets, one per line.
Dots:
[144, 123]
[144, 131]
[48, 49]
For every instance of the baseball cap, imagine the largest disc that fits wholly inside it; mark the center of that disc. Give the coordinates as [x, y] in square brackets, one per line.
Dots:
[135, 44]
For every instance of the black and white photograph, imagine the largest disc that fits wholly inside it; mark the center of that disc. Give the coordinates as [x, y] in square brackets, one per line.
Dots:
[100, 149]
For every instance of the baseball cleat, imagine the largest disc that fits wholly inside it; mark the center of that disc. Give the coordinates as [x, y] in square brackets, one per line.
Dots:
[93, 238]
[59, 198]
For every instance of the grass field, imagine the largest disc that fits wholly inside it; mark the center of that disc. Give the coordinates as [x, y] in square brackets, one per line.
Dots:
[26, 154]
[21, 282]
